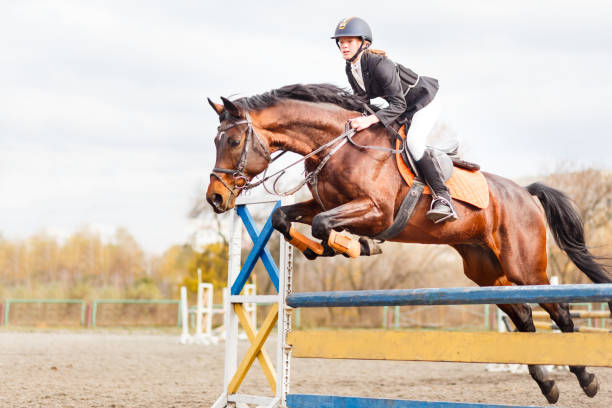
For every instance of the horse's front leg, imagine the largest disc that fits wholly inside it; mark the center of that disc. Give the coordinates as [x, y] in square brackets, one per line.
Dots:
[303, 212]
[357, 215]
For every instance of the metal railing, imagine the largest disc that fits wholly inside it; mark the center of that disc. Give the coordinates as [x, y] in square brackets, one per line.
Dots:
[9, 302]
[96, 303]
[85, 320]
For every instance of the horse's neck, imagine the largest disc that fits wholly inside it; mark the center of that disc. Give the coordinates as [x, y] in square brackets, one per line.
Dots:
[303, 129]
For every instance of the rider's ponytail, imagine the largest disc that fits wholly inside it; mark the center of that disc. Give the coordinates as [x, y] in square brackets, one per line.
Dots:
[373, 50]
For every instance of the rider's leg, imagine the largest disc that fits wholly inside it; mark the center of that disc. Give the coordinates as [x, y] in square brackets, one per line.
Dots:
[442, 205]
[422, 124]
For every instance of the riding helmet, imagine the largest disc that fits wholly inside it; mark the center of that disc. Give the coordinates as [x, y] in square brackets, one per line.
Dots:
[353, 27]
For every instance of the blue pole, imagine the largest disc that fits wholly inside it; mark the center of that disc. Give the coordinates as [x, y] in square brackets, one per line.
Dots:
[455, 296]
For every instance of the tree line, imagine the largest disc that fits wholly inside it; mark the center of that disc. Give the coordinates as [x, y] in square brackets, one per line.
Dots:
[85, 266]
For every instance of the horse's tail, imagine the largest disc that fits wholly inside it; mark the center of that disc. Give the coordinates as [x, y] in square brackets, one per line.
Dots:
[566, 226]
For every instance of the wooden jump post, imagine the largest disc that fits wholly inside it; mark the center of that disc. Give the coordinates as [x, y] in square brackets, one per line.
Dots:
[591, 349]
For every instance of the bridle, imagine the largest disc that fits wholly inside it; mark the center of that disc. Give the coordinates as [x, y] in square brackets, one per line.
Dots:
[241, 180]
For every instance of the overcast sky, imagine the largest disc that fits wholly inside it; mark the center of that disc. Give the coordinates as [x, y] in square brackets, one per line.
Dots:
[103, 119]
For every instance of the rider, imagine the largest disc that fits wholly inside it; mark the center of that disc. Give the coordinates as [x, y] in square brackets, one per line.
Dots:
[411, 98]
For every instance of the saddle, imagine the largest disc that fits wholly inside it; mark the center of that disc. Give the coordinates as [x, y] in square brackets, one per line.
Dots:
[464, 180]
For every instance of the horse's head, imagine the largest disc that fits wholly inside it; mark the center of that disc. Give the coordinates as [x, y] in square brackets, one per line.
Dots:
[241, 155]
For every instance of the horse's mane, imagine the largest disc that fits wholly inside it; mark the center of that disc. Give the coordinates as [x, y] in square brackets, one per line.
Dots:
[326, 93]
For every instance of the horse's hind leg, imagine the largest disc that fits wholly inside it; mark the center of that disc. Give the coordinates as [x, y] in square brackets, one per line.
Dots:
[520, 314]
[483, 267]
[559, 313]
[530, 269]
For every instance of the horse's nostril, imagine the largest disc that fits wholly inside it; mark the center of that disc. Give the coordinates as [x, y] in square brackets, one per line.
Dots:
[217, 200]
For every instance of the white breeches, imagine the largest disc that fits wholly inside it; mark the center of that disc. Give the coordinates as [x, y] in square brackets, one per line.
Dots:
[423, 122]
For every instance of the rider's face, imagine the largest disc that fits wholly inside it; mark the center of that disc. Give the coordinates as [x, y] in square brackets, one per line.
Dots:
[349, 46]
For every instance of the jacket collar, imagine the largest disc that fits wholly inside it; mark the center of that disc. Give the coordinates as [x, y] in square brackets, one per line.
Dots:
[365, 73]
[363, 60]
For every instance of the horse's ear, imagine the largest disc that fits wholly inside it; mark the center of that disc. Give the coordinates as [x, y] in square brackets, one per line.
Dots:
[231, 107]
[217, 107]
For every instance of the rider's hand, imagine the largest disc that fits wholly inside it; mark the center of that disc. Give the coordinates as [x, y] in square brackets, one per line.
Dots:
[363, 122]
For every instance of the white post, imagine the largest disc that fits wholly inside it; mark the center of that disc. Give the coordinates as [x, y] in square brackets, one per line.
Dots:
[199, 308]
[208, 294]
[231, 320]
[251, 308]
[185, 337]
[285, 286]
[501, 326]
[204, 313]
[220, 331]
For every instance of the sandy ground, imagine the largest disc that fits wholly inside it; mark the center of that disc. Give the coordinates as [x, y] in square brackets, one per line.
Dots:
[150, 369]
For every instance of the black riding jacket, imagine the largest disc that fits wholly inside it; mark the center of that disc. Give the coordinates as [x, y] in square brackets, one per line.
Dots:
[405, 91]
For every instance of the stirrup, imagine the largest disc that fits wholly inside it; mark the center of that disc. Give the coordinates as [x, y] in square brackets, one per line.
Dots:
[452, 216]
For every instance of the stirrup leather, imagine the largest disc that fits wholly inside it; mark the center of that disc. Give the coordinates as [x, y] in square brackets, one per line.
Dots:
[453, 213]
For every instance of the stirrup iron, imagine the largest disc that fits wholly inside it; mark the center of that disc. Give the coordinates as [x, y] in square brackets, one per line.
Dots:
[452, 216]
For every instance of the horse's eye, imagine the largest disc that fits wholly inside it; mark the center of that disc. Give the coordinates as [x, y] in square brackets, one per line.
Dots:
[234, 142]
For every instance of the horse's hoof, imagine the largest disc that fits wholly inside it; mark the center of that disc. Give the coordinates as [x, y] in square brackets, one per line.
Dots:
[591, 389]
[309, 254]
[369, 247]
[552, 396]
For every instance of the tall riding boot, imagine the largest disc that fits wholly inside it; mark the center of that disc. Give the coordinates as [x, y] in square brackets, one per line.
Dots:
[442, 204]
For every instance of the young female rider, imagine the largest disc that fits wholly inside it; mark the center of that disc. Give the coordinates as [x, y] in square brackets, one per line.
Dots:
[411, 98]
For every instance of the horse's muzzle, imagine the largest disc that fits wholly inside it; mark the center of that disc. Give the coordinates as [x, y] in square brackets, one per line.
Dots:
[216, 201]
[219, 197]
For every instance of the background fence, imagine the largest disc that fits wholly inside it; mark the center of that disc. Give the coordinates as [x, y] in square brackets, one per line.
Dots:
[100, 312]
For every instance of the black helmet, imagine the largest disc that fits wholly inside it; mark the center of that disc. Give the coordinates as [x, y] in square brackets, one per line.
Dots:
[353, 27]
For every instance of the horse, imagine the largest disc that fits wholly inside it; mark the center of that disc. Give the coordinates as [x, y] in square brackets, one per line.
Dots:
[360, 190]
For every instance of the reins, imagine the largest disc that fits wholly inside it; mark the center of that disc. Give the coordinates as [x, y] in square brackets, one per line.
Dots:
[310, 178]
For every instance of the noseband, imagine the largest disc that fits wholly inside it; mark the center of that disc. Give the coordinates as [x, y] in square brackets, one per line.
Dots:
[239, 172]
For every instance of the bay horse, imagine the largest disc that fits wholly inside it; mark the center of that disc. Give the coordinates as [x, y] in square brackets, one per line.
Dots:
[360, 190]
